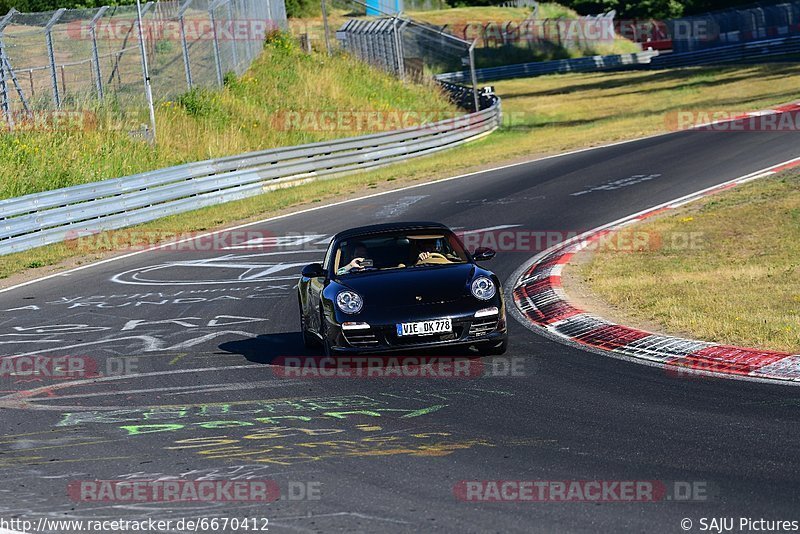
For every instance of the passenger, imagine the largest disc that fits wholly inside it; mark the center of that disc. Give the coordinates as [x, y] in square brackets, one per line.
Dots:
[360, 254]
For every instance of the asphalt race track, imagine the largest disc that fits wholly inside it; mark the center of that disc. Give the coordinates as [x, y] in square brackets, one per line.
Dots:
[185, 339]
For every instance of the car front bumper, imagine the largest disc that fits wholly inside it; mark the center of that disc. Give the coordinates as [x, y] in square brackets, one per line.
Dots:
[382, 337]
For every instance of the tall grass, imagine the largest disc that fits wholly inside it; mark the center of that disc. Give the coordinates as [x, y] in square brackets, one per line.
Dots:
[245, 116]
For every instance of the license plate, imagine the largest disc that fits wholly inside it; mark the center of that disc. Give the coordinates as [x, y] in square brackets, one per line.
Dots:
[425, 328]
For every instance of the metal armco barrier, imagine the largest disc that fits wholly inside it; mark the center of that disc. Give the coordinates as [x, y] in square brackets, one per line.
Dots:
[539, 68]
[55, 216]
[742, 53]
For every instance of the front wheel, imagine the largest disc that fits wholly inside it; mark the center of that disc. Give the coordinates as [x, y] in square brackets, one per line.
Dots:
[323, 331]
[309, 340]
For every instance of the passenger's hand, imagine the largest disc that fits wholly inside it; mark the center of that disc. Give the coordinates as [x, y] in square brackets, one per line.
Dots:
[356, 263]
[424, 256]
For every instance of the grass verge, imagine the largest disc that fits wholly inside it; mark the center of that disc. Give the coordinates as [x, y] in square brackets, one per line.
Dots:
[545, 115]
[249, 114]
[727, 270]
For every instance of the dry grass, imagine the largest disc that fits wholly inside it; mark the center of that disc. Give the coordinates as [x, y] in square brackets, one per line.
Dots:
[740, 284]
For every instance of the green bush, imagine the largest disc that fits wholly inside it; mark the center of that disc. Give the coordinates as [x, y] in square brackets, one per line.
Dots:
[200, 103]
[303, 8]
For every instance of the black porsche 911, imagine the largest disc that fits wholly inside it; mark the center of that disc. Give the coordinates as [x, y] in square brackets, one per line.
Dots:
[401, 286]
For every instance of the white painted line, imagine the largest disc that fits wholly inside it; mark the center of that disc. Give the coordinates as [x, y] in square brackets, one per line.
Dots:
[316, 208]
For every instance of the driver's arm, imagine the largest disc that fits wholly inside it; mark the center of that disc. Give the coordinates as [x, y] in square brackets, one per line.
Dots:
[354, 264]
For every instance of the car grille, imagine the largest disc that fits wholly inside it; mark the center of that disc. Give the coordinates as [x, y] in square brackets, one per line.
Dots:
[361, 338]
[482, 327]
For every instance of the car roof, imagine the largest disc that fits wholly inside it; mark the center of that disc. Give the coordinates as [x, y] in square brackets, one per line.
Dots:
[389, 227]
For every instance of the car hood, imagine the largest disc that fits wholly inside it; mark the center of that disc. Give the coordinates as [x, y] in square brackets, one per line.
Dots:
[416, 285]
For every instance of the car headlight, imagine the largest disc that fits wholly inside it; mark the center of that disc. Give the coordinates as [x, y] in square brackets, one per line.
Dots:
[349, 302]
[483, 288]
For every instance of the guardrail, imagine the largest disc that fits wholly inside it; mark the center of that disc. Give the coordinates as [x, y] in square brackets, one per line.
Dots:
[539, 68]
[743, 52]
[649, 59]
[54, 216]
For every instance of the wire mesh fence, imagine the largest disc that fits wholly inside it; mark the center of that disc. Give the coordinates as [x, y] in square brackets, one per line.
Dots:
[736, 25]
[409, 49]
[78, 58]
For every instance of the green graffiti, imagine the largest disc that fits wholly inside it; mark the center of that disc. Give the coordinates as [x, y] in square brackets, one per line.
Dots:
[424, 411]
[135, 430]
[223, 424]
[274, 420]
[343, 415]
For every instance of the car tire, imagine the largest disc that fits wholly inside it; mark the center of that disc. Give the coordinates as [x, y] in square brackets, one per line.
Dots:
[310, 341]
[327, 351]
[489, 349]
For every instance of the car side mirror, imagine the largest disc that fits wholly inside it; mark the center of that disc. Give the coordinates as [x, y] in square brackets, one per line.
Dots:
[483, 254]
[313, 270]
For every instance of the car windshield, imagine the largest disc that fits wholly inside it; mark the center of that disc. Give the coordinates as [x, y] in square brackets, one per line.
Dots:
[397, 250]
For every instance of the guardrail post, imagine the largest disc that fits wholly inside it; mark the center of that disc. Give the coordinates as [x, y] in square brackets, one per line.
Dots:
[51, 54]
[95, 55]
[187, 68]
[217, 59]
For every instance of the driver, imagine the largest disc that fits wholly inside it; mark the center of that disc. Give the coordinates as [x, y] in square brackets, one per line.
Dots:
[360, 254]
[427, 248]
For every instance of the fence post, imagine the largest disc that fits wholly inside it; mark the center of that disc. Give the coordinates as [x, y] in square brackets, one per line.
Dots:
[233, 37]
[51, 54]
[217, 59]
[4, 98]
[251, 27]
[473, 76]
[95, 55]
[5, 101]
[325, 27]
[145, 71]
[187, 67]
